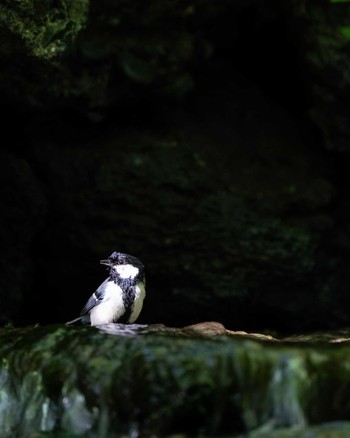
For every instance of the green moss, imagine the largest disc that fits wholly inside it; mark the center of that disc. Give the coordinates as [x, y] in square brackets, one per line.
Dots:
[45, 29]
[345, 31]
[77, 380]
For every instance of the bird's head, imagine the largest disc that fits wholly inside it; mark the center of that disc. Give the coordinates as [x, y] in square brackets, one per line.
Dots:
[125, 265]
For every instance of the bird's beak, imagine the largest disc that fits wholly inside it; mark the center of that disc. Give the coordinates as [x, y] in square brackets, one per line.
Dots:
[105, 262]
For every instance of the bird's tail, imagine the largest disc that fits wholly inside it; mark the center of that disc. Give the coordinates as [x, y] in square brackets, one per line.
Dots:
[74, 320]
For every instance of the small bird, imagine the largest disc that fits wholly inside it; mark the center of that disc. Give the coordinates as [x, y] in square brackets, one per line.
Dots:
[120, 297]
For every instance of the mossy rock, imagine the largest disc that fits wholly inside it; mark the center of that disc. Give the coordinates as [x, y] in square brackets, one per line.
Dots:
[79, 381]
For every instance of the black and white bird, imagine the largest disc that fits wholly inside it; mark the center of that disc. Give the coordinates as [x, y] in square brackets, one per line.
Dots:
[120, 297]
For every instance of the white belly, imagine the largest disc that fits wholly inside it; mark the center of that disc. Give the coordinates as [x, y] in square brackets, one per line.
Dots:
[112, 307]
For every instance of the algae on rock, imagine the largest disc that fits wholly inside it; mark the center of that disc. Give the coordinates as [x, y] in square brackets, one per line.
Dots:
[78, 380]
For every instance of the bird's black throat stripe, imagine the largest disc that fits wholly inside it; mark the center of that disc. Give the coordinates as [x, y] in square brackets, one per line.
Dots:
[128, 287]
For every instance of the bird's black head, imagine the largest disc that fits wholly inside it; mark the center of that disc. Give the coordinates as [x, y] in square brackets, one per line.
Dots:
[118, 259]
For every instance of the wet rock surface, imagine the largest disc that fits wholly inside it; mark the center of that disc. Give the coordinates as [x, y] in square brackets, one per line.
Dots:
[160, 381]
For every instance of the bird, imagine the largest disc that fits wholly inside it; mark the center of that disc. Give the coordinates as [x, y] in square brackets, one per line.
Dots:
[119, 299]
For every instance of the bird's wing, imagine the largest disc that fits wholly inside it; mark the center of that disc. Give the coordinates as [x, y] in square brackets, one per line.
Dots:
[95, 299]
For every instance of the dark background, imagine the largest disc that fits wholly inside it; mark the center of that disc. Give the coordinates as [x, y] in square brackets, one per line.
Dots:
[209, 140]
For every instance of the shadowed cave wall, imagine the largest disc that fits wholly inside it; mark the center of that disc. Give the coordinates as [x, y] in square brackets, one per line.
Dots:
[208, 140]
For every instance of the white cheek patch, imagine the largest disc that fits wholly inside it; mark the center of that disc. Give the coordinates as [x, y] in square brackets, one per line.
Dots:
[126, 271]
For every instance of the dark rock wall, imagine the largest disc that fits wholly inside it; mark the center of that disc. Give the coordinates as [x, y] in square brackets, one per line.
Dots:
[208, 140]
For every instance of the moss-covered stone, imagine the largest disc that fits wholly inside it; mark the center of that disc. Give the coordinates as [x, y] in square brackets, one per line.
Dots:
[94, 56]
[75, 380]
[43, 29]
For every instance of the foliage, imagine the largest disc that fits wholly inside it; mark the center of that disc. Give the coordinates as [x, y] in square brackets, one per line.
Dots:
[43, 29]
